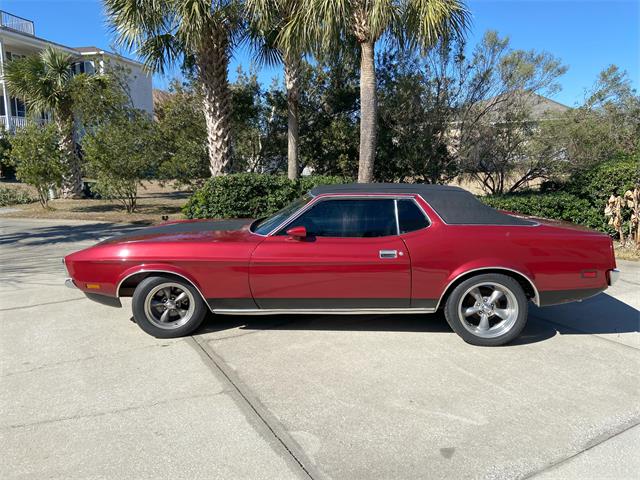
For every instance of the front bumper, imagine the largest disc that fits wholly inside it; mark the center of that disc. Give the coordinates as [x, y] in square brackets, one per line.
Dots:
[104, 299]
[96, 297]
[613, 276]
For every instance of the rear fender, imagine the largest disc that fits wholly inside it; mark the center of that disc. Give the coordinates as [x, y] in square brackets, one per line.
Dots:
[493, 265]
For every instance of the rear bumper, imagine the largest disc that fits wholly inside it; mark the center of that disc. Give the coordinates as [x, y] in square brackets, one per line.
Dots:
[613, 276]
[556, 297]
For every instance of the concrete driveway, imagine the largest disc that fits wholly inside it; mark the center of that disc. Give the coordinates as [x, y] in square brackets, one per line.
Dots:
[85, 393]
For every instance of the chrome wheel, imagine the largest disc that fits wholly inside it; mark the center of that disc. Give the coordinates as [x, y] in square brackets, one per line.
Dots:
[169, 305]
[488, 309]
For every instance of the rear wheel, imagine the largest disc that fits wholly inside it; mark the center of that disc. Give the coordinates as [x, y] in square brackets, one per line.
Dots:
[487, 310]
[167, 307]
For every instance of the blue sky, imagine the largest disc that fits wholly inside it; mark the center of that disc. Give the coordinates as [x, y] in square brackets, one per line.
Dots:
[587, 35]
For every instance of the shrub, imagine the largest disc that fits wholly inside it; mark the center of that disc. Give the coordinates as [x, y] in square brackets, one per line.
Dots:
[7, 169]
[39, 162]
[119, 155]
[581, 200]
[554, 205]
[14, 196]
[613, 177]
[249, 195]
[310, 182]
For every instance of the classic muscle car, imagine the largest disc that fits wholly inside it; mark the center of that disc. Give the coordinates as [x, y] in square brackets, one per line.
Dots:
[349, 249]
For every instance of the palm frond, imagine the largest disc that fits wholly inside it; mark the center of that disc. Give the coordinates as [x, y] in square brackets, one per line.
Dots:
[318, 26]
[427, 21]
[164, 32]
[263, 45]
[43, 80]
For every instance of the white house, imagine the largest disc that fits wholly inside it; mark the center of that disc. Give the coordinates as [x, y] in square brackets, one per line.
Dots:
[18, 38]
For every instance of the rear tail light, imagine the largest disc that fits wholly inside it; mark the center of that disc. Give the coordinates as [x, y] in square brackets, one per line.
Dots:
[589, 274]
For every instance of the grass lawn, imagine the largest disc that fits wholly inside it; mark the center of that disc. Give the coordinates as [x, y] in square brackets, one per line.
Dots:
[154, 202]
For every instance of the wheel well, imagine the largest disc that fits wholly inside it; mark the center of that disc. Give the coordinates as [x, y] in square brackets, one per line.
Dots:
[129, 284]
[525, 283]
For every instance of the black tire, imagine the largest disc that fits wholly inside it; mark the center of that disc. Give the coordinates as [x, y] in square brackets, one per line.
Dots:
[472, 327]
[154, 290]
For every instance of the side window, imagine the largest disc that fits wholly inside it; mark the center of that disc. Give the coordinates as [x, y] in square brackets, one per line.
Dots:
[410, 217]
[348, 218]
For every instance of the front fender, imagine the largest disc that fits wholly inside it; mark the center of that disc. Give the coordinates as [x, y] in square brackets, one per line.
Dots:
[158, 268]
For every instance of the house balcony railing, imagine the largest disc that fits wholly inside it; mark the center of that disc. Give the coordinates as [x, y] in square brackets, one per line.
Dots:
[16, 23]
[12, 123]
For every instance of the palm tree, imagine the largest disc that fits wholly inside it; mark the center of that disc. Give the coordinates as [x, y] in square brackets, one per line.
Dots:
[46, 83]
[201, 34]
[268, 18]
[327, 25]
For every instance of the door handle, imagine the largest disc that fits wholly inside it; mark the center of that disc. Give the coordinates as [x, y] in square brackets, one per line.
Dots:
[388, 254]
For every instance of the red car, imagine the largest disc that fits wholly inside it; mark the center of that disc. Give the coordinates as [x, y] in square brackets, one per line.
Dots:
[348, 249]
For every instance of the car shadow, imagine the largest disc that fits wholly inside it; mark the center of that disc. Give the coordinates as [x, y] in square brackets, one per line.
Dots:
[417, 323]
[599, 315]
[602, 314]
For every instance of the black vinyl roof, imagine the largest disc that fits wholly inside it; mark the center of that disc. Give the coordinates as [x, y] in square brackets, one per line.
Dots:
[453, 204]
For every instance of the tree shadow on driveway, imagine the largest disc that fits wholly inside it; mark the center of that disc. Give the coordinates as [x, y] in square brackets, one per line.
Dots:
[59, 234]
[600, 315]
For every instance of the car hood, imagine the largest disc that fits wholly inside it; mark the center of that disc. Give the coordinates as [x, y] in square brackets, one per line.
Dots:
[187, 231]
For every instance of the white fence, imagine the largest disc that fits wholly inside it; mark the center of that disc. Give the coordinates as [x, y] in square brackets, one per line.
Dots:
[11, 123]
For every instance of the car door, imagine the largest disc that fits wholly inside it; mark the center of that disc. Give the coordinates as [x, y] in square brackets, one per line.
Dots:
[352, 258]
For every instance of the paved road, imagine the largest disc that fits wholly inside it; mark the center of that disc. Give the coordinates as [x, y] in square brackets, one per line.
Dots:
[85, 394]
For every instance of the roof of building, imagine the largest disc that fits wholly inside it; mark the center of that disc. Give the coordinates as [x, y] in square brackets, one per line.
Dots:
[540, 106]
[91, 50]
[87, 49]
[160, 96]
[453, 204]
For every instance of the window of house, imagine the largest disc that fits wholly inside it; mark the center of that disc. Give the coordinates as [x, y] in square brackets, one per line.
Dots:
[83, 67]
[18, 108]
[410, 216]
[13, 56]
[2, 111]
[348, 218]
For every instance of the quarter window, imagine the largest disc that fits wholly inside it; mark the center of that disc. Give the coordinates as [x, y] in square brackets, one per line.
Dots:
[348, 218]
[410, 217]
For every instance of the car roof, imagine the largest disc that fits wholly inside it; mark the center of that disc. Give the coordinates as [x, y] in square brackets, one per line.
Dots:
[454, 205]
[364, 188]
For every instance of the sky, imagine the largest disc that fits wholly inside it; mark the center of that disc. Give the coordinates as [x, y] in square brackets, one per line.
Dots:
[586, 35]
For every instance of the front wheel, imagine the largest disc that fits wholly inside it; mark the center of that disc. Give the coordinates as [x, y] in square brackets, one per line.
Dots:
[487, 310]
[167, 307]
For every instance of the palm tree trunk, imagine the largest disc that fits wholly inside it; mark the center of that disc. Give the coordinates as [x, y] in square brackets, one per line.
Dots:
[292, 82]
[368, 112]
[72, 179]
[213, 63]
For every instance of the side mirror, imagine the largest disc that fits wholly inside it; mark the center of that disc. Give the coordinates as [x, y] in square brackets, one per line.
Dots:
[297, 233]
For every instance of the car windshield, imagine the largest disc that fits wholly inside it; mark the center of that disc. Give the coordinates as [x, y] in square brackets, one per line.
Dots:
[263, 227]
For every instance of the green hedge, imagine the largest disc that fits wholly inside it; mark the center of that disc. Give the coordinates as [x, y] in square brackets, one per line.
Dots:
[14, 196]
[249, 195]
[581, 200]
[599, 182]
[555, 205]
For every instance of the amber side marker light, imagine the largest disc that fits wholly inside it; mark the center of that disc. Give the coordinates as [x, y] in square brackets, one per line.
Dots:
[589, 274]
[93, 286]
